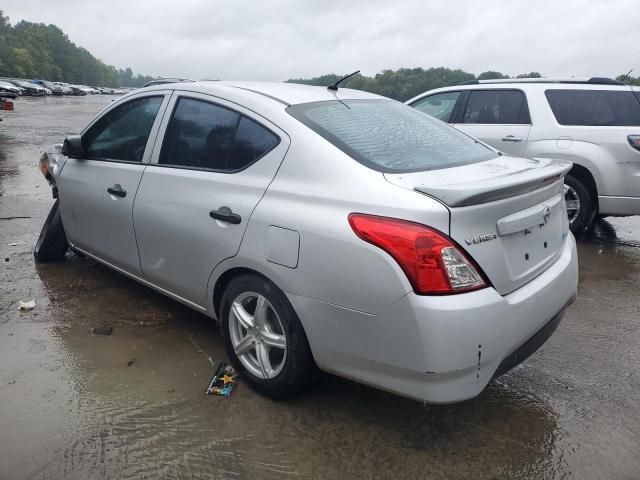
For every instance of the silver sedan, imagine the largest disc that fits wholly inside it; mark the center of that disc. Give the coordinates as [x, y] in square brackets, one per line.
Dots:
[323, 228]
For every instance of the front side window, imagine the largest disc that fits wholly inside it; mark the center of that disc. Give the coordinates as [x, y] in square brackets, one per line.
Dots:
[388, 136]
[122, 133]
[503, 107]
[204, 135]
[440, 105]
[594, 107]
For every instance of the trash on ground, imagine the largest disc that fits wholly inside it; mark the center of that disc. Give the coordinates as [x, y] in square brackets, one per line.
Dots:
[224, 381]
[131, 362]
[15, 244]
[11, 382]
[27, 305]
[103, 331]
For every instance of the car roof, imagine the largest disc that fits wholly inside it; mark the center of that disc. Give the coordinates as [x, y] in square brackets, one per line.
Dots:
[529, 84]
[282, 92]
[571, 80]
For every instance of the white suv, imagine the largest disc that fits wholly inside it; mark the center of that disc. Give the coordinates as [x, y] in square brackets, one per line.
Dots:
[594, 123]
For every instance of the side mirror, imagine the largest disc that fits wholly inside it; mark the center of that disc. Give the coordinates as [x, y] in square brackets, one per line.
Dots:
[72, 147]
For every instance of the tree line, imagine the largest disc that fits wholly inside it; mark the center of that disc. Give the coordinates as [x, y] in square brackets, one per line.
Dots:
[39, 51]
[405, 83]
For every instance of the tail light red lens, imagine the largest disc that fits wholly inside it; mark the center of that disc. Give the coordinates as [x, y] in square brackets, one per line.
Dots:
[433, 263]
[6, 105]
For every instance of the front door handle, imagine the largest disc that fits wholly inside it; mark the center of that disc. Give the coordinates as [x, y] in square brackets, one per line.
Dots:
[117, 190]
[224, 214]
[511, 138]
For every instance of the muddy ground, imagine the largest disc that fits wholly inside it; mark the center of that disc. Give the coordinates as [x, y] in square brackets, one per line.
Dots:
[71, 407]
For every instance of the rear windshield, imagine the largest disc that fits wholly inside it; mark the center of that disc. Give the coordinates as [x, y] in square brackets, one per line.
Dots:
[595, 107]
[389, 136]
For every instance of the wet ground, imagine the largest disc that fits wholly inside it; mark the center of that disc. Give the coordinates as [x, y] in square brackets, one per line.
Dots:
[71, 407]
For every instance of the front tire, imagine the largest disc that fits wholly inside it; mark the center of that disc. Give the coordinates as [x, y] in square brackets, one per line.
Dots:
[264, 337]
[52, 243]
[580, 204]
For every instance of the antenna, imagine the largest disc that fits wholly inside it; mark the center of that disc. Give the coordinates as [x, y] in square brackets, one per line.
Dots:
[334, 86]
[626, 76]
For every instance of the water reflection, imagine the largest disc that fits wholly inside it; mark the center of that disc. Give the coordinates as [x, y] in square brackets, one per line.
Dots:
[153, 420]
[622, 231]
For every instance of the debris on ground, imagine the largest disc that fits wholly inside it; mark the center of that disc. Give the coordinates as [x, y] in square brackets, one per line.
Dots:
[209, 357]
[12, 218]
[29, 305]
[11, 382]
[131, 362]
[15, 244]
[103, 331]
[223, 382]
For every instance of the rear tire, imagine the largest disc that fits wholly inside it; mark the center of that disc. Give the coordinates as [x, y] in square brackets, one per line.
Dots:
[268, 368]
[52, 242]
[584, 211]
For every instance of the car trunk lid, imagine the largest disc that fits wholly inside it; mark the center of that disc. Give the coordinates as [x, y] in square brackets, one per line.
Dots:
[508, 213]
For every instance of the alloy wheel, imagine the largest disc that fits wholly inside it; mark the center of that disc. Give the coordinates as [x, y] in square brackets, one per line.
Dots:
[257, 335]
[572, 201]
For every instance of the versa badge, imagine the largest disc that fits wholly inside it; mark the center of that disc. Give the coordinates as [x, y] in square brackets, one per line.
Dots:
[481, 238]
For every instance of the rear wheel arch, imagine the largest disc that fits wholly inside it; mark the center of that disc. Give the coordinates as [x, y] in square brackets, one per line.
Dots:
[580, 185]
[584, 175]
[225, 279]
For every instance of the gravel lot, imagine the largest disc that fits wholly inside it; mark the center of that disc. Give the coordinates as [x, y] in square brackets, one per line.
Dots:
[70, 407]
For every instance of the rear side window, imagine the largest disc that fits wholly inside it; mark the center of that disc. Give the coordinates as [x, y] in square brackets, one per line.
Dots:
[440, 105]
[388, 136]
[251, 142]
[207, 136]
[594, 107]
[504, 107]
[122, 133]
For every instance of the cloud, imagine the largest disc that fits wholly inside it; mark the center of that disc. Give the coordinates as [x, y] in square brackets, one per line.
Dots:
[281, 39]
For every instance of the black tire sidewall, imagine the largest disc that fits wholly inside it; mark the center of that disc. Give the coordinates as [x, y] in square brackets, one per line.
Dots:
[587, 206]
[298, 367]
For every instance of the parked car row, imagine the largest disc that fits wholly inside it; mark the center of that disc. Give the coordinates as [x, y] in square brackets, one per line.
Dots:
[45, 87]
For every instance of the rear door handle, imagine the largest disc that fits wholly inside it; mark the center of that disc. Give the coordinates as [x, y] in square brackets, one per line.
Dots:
[117, 190]
[511, 138]
[224, 214]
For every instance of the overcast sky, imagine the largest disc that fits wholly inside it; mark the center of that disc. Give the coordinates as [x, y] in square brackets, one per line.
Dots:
[280, 39]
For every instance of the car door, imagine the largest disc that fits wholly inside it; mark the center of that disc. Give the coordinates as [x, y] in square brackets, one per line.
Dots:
[194, 202]
[498, 117]
[98, 190]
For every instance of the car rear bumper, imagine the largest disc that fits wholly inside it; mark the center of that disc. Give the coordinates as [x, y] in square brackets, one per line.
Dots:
[622, 206]
[441, 349]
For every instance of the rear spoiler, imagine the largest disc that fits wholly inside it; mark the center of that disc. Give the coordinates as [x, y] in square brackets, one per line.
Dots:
[499, 187]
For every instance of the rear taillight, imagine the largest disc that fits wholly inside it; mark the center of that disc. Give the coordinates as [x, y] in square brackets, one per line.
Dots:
[6, 105]
[433, 263]
[634, 141]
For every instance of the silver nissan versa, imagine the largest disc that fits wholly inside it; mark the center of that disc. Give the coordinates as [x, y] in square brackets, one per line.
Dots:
[322, 227]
